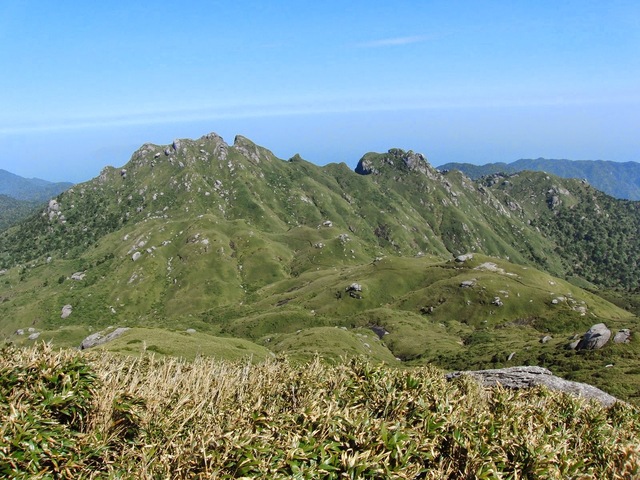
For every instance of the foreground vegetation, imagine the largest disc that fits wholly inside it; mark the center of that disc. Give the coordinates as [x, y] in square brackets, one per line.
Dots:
[67, 414]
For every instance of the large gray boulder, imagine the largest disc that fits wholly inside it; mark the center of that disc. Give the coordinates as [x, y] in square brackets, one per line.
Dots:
[527, 377]
[99, 338]
[596, 337]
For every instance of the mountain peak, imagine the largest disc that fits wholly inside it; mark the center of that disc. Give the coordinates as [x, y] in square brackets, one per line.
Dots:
[395, 158]
[254, 153]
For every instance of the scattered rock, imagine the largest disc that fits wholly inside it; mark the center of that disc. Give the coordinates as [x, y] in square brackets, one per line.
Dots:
[497, 302]
[354, 290]
[34, 336]
[190, 331]
[490, 267]
[528, 377]
[468, 283]
[510, 357]
[379, 330]
[553, 201]
[327, 223]
[464, 258]
[136, 256]
[66, 311]
[573, 345]
[54, 206]
[20, 331]
[102, 337]
[546, 339]
[596, 337]
[581, 309]
[78, 276]
[623, 336]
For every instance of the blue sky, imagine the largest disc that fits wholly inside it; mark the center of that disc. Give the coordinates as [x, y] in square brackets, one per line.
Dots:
[84, 84]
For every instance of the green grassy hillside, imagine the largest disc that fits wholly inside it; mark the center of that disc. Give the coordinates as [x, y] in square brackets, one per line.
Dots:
[264, 256]
[618, 179]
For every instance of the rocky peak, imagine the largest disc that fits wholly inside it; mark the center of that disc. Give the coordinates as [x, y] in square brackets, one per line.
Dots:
[250, 150]
[219, 147]
[373, 163]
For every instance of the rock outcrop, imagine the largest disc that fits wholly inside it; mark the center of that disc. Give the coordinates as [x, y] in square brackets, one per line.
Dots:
[102, 337]
[527, 377]
[395, 158]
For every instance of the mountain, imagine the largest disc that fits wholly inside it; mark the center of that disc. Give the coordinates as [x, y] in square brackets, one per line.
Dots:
[20, 197]
[192, 244]
[29, 189]
[12, 210]
[618, 179]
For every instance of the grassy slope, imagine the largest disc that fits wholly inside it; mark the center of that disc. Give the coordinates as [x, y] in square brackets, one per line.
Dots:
[221, 253]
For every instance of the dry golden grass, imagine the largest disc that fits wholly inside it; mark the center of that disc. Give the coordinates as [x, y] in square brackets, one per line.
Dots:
[147, 418]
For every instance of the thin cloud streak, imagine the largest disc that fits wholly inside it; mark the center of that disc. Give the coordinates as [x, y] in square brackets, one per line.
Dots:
[265, 111]
[390, 42]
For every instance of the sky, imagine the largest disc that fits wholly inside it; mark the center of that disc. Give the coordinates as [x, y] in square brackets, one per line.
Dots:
[84, 84]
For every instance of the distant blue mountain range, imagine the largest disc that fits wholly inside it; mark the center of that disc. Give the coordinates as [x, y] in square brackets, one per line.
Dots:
[620, 180]
[29, 189]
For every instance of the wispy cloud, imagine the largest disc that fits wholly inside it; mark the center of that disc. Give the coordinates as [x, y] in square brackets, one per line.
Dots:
[335, 106]
[390, 42]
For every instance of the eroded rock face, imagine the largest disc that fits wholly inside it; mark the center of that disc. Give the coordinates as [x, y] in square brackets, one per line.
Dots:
[596, 337]
[528, 377]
